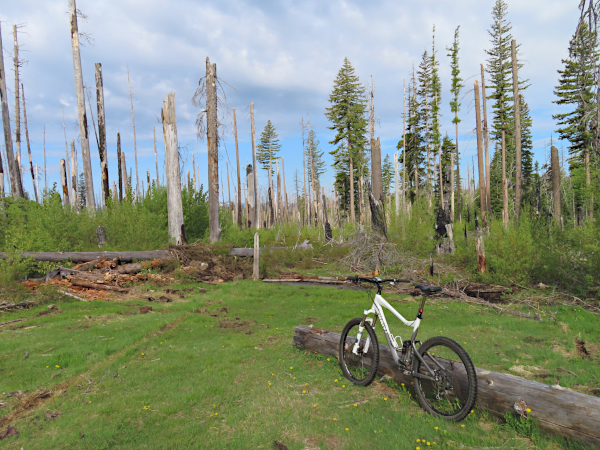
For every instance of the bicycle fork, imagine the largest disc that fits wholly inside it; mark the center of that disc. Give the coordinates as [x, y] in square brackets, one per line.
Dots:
[361, 328]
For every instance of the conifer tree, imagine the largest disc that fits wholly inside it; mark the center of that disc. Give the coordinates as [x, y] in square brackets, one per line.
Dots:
[576, 88]
[387, 174]
[424, 112]
[268, 147]
[455, 88]
[347, 117]
[435, 85]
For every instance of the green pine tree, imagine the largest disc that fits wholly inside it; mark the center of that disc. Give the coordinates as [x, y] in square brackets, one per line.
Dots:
[268, 147]
[387, 174]
[347, 116]
[455, 88]
[424, 112]
[81, 191]
[576, 88]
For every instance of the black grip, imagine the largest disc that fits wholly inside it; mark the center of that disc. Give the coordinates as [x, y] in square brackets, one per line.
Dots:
[397, 280]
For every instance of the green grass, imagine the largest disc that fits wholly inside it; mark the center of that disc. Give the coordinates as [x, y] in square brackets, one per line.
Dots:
[183, 382]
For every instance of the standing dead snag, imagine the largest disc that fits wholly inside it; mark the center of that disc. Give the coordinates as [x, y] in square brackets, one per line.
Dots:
[174, 203]
[33, 177]
[250, 212]
[515, 75]
[63, 179]
[102, 134]
[479, 248]
[120, 169]
[239, 182]
[556, 187]
[255, 174]
[482, 194]
[81, 115]
[214, 226]
[137, 177]
[486, 137]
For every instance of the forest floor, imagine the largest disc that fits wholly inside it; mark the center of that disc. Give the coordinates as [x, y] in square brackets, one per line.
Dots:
[203, 365]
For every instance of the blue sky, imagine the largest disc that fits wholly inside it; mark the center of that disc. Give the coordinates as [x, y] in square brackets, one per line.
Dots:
[281, 55]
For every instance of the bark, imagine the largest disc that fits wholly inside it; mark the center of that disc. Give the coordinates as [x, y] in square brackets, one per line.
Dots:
[139, 266]
[102, 150]
[120, 169]
[174, 203]
[17, 107]
[377, 213]
[556, 186]
[486, 135]
[458, 175]
[255, 174]
[256, 265]
[404, 148]
[279, 199]
[239, 182]
[304, 169]
[351, 186]
[480, 249]
[557, 409]
[396, 185]
[515, 76]
[156, 157]
[67, 158]
[63, 182]
[33, 177]
[124, 175]
[284, 190]
[81, 114]
[482, 192]
[228, 190]
[100, 287]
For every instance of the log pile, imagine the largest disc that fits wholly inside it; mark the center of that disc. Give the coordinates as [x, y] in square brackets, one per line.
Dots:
[558, 410]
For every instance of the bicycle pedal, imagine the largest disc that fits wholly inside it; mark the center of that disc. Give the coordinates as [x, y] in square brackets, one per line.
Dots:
[407, 372]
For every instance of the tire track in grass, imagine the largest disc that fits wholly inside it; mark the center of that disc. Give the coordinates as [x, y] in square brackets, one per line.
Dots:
[34, 401]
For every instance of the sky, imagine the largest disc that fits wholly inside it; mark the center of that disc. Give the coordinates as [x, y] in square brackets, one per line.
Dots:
[282, 55]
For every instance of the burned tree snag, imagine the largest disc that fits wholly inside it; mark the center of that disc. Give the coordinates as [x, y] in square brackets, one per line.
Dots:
[156, 156]
[81, 115]
[482, 194]
[239, 182]
[137, 177]
[125, 178]
[102, 134]
[556, 187]
[63, 180]
[479, 248]
[120, 169]
[214, 226]
[33, 177]
[74, 188]
[504, 183]
[256, 217]
[486, 137]
[174, 203]
[250, 212]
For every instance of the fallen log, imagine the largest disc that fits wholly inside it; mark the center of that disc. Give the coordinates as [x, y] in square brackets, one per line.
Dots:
[88, 265]
[558, 410]
[9, 306]
[102, 287]
[247, 252]
[83, 257]
[300, 278]
[11, 321]
[139, 266]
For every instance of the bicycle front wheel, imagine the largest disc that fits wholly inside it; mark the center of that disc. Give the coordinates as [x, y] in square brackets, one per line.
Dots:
[453, 393]
[360, 367]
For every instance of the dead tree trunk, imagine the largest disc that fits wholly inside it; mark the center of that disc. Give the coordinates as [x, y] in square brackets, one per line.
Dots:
[504, 183]
[556, 187]
[396, 186]
[486, 136]
[284, 190]
[482, 195]
[239, 182]
[479, 248]
[255, 174]
[45, 166]
[81, 115]
[250, 199]
[156, 156]
[33, 177]
[63, 180]
[137, 177]
[403, 149]
[304, 168]
[279, 199]
[377, 213]
[174, 204]
[102, 150]
[124, 175]
[458, 193]
[351, 185]
[120, 169]
[214, 226]
[17, 106]
[15, 179]
[74, 188]
[515, 76]
[376, 174]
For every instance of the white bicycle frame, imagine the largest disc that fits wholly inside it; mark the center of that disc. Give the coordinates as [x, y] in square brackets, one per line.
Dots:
[378, 304]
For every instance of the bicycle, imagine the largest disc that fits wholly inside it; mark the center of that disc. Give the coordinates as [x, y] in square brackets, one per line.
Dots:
[443, 374]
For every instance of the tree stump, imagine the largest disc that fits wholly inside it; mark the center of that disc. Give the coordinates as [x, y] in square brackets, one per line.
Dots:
[101, 234]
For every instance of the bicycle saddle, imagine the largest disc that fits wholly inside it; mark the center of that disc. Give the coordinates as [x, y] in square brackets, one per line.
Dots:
[428, 289]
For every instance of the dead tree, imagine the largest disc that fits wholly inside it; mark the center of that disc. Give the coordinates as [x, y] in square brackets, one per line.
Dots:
[255, 174]
[486, 136]
[155, 156]
[239, 181]
[137, 177]
[377, 212]
[102, 150]
[45, 167]
[74, 189]
[515, 76]
[17, 63]
[125, 178]
[174, 203]
[284, 190]
[250, 199]
[67, 158]
[556, 186]
[214, 226]
[482, 195]
[33, 177]
[81, 115]
[504, 182]
[120, 169]
[63, 179]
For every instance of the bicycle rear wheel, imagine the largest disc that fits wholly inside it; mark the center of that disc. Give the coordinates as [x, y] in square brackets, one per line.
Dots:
[453, 394]
[359, 368]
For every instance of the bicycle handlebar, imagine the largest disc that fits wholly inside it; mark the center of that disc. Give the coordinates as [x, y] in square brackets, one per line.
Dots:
[356, 279]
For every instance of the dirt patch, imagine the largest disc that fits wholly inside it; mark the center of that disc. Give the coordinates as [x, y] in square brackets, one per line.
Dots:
[580, 347]
[212, 265]
[237, 325]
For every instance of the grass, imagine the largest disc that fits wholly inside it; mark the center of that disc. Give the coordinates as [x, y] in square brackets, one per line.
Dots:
[191, 374]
